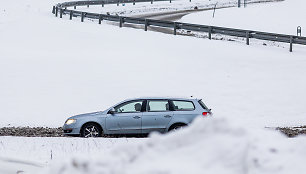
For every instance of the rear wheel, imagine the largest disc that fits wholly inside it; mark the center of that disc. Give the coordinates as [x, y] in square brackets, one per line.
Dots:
[176, 127]
[91, 130]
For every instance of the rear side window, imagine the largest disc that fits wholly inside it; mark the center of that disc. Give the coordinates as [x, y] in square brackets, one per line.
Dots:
[183, 105]
[203, 105]
[157, 105]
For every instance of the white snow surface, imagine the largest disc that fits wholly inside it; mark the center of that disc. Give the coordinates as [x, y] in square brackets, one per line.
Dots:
[209, 146]
[52, 68]
[282, 17]
[31, 154]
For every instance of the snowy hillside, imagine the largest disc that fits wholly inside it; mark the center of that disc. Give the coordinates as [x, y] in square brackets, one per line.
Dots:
[283, 17]
[52, 68]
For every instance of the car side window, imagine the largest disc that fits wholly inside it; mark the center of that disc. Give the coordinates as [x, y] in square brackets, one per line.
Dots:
[183, 105]
[158, 105]
[133, 106]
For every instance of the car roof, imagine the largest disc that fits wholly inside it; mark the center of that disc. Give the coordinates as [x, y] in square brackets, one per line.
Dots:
[167, 98]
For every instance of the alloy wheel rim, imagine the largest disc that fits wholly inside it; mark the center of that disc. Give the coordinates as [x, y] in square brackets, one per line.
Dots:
[91, 131]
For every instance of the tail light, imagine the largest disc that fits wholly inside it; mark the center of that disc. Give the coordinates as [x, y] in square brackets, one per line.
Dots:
[205, 113]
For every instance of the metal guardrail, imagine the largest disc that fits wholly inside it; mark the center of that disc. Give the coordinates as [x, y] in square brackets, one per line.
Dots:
[61, 9]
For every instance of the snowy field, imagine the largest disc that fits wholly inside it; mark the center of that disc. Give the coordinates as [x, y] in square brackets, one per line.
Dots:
[52, 68]
[282, 17]
[129, 9]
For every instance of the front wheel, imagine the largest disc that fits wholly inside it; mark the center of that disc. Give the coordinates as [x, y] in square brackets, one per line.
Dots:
[91, 130]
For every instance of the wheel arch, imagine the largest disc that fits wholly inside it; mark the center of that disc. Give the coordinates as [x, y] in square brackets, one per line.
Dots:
[176, 124]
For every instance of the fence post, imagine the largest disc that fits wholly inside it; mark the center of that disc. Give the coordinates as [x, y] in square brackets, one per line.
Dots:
[189, 0]
[53, 10]
[151, 1]
[133, 2]
[146, 25]
[56, 11]
[102, 3]
[118, 3]
[248, 38]
[209, 32]
[174, 28]
[74, 7]
[120, 21]
[87, 5]
[71, 14]
[100, 18]
[61, 13]
[239, 2]
[82, 17]
[170, 1]
[291, 43]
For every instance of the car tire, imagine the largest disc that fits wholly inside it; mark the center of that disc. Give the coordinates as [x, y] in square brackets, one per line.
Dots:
[91, 130]
[176, 127]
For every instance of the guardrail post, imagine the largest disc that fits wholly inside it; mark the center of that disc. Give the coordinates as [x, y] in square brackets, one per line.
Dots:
[291, 43]
[53, 10]
[189, 0]
[239, 3]
[146, 25]
[87, 5]
[82, 17]
[151, 1]
[209, 32]
[174, 28]
[56, 11]
[133, 2]
[299, 31]
[100, 18]
[102, 3]
[118, 3]
[74, 7]
[170, 1]
[61, 13]
[120, 21]
[71, 14]
[248, 38]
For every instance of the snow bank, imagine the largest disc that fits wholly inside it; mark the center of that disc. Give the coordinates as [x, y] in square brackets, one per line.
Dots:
[282, 17]
[207, 146]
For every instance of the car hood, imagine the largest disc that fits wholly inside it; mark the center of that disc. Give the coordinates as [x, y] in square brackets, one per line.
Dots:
[87, 115]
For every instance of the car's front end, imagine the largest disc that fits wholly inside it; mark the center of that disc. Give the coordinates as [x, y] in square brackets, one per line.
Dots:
[73, 125]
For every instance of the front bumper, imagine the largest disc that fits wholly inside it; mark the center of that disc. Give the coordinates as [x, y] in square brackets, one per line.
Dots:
[71, 129]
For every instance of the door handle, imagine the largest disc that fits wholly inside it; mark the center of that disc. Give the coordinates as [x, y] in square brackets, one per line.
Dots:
[136, 117]
[167, 116]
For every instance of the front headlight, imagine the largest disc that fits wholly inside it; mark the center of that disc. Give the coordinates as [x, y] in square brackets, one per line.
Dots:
[70, 121]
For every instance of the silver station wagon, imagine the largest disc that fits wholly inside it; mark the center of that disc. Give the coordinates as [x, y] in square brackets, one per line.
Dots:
[137, 116]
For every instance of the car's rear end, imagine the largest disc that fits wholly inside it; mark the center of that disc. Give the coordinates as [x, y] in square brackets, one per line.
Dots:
[205, 110]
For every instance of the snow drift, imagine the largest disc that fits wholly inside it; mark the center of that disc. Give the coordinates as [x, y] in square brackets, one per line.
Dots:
[208, 146]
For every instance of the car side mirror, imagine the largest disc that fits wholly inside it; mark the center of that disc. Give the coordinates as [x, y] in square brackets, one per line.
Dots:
[111, 111]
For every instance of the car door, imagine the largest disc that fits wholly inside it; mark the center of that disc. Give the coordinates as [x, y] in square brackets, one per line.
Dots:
[126, 119]
[184, 111]
[157, 116]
